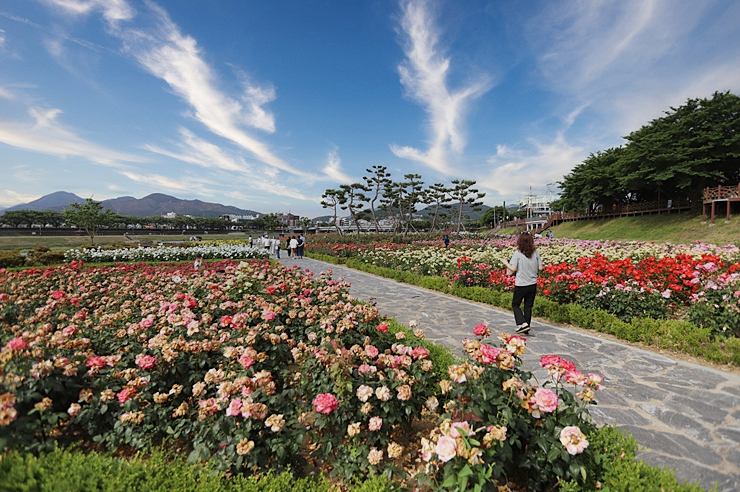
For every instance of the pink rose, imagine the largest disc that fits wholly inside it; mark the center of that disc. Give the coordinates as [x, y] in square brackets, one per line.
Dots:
[74, 409]
[546, 400]
[226, 320]
[371, 351]
[234, 408]
[96, 361]
[573, 439]
[481, 330]
[271, 289]
[246, 361]
[146, 362]
[68, 331]
[17, 344]
[125, 395]
[268, 315]
[382, 327]
[375, 423]
[456, 427]
[325, 403]
[490, 354]
[446, 448]
[146, 323]
[420, 353]
[58, 294]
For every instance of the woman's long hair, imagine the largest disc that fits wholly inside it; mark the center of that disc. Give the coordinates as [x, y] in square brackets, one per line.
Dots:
[525, 244]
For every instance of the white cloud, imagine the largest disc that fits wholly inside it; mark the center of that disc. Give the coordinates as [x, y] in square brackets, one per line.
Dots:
[157, 181]
[2, 39]
[8, 198]
[166, 53]
[113, 10]
[333, 168]
[512, 172]
[200, 152]
[424, 76]
[195, 150]
[5, 94]
[47, 136]
[176, 59]
[630, 60]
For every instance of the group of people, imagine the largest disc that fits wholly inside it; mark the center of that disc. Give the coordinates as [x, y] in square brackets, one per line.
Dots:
[293, 244]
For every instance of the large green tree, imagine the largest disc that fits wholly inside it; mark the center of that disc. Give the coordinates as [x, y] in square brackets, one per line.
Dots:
[693, 146]
[595, 183]
[89, 215]
[674, 157]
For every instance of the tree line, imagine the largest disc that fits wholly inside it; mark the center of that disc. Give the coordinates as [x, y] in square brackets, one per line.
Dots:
[674, 157]
[91, 217]
[378, 196]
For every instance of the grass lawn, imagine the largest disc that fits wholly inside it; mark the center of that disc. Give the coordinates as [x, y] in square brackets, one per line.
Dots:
[674, 228]
[66, 242]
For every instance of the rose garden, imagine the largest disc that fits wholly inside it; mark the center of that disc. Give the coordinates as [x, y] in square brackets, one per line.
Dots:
[249, 369]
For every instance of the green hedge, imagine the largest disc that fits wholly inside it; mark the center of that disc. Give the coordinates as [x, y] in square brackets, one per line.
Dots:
[680, 336]
[73, 471]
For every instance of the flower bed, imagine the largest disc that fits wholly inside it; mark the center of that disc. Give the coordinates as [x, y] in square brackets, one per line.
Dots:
[698, 282]
[231, 250]
[264, 368]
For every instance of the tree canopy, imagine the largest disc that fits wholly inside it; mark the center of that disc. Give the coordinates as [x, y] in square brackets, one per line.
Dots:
[674, 157]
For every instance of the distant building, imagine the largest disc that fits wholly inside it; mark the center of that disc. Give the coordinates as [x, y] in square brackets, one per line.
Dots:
[287, 220]
[538, 207]
[238, 218]
[169, 215]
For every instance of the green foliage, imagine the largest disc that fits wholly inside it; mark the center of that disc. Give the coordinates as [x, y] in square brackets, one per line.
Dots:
[9, 259]
[694, 146]
[89, 216]
[89, 472]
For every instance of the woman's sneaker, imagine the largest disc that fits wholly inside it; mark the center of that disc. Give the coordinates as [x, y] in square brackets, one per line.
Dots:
[523, 330]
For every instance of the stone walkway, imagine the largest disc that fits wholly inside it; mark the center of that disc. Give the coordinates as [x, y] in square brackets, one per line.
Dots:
[684, 416]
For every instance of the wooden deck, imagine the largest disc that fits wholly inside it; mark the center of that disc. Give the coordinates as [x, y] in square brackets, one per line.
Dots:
[720, 197]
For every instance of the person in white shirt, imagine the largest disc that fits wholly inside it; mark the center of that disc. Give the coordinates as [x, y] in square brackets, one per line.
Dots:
[526, 264]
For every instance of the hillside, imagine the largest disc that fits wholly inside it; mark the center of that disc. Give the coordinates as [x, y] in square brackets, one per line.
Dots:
[154, 204]
[684, 228]
[56, 201]
[158, 204]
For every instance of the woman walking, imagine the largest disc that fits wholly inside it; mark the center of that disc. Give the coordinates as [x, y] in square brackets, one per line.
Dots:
[526, 263]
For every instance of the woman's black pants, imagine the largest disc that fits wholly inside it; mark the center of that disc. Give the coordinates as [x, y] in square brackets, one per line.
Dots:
[525, 294]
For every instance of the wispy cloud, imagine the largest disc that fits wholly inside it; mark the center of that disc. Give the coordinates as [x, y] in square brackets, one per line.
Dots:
[512, 172]
[8, 198]
[47, 136]
[622, 58]
[2, 40]
[424, 77]
[333, 168]
[182, 184]
[195, 150]
[5, 93]
[176, 58]
[113, 10]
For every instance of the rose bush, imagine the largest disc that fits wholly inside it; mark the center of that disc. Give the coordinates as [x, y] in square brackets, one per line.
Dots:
[500, 424]
[256, 369]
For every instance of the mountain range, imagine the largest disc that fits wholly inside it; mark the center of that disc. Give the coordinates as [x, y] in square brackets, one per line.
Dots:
[150, 205]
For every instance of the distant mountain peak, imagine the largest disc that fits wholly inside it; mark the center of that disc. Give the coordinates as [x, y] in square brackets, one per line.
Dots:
[152, 204]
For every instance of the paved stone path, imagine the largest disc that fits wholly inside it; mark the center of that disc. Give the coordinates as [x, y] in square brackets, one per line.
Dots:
[684, 416]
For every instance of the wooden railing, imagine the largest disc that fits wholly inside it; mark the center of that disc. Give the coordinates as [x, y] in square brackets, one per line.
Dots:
[721, 193]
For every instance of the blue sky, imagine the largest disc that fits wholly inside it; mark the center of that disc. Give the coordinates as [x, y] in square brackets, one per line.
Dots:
[266, 104]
